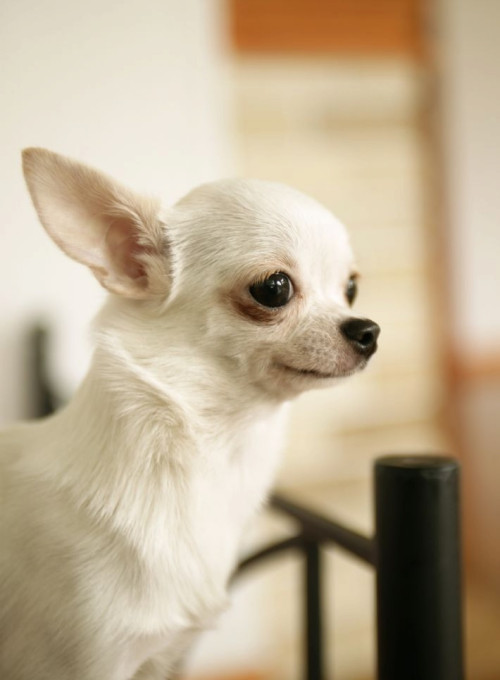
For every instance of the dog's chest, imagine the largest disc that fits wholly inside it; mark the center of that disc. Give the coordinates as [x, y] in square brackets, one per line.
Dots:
[237, 472]
[199, 529]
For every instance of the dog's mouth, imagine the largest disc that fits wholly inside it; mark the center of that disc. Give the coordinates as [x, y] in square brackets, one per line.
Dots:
[308, 372]
[344, 369]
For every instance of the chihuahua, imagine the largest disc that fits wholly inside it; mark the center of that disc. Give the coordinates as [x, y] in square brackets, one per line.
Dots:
[121, 514]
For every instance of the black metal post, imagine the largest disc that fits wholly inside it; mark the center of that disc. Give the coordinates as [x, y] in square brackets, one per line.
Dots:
[313, 619]
[418, 569]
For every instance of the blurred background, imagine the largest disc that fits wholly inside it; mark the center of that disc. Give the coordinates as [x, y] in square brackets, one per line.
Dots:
[388, 112]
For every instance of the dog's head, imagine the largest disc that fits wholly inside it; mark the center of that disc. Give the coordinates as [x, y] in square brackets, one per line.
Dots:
[256, 276]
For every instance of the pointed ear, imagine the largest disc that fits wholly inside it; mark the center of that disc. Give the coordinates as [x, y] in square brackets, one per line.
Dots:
[100, 223]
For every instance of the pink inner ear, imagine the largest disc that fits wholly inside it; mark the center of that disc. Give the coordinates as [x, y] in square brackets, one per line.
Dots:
[124, 249]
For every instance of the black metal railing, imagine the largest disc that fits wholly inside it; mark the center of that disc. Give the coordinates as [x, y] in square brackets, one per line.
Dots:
[416, 555]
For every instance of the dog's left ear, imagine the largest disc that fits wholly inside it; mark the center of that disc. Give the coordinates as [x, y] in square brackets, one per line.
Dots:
[100, 223]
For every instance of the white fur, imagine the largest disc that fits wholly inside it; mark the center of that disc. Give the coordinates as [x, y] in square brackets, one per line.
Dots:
[122, 513]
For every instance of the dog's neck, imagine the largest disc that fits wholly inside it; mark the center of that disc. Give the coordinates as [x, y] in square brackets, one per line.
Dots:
[140, 450]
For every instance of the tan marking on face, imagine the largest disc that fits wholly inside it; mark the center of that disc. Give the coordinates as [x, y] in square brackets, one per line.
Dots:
[258, 313]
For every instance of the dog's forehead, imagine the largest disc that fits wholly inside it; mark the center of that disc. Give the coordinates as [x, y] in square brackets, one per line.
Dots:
[255, 217]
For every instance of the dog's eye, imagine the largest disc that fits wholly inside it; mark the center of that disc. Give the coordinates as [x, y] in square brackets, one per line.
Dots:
[351, 290]
[275, 291]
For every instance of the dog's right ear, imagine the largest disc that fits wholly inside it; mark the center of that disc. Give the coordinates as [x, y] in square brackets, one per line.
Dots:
[100, 223]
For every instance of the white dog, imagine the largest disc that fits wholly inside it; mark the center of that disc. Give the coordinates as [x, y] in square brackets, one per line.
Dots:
[121, 514]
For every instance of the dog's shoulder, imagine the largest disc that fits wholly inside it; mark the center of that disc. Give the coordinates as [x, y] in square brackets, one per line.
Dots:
[13, 441]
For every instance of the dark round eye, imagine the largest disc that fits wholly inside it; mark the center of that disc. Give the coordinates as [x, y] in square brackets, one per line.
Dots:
[351, 290]
[275, 291]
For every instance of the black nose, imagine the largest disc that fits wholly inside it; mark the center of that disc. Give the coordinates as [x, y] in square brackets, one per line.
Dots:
[362, 334]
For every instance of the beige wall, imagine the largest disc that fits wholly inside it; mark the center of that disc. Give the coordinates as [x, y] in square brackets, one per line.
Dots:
[469, 62]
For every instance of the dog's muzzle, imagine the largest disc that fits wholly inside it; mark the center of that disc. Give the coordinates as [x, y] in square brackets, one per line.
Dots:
[361, 334]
